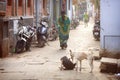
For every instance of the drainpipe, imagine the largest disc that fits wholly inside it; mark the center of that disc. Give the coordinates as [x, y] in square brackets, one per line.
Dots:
[37, 12]
[16, 11]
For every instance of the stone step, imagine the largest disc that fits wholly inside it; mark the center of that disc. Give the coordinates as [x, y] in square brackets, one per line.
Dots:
[109, 65]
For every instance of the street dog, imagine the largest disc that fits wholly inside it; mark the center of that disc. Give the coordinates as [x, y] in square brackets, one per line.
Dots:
[79, 56]
[67, 64]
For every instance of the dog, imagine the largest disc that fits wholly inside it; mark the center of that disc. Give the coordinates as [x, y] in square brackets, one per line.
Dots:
[79, 56]
[67, 64]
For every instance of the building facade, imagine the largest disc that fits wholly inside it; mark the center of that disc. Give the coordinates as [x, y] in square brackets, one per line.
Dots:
[110, 25]
[31, 11]
[10, 13]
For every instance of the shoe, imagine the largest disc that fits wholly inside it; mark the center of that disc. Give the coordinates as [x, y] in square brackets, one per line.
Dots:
[65, 46]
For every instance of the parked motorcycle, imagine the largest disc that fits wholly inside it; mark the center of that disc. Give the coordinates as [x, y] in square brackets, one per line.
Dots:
[42, 34]
[96, 30]
[53, 33]
[25, 34]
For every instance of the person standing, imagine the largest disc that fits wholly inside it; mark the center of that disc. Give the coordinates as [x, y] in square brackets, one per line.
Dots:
[86, 19]
[63, 29]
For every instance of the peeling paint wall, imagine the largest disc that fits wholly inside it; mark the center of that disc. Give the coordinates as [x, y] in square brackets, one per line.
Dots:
[110, 25]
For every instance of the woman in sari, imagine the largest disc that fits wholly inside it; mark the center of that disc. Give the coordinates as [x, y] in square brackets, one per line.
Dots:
[64, 29]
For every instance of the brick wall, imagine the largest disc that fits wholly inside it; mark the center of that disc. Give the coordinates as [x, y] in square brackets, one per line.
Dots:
[20, 11]
[9, 11]
[28, 11]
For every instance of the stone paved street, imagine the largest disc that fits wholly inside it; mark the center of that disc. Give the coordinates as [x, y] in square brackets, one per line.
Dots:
[44, 63]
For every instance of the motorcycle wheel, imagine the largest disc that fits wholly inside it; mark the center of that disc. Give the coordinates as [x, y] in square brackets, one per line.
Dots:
[19, 47]
[41, 43]
[97, 39]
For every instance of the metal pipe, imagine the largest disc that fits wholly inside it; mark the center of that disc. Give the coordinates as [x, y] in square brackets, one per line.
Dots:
[36, 12]
[16, 8]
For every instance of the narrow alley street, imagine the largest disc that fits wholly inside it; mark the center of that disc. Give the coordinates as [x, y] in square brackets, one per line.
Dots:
[44, 63]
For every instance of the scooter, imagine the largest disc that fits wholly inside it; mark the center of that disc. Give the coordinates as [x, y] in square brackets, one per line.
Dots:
[42, 34]
[96, 30]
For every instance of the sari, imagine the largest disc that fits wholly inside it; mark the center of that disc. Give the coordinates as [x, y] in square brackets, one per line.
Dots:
[63, 29]
[86, 18]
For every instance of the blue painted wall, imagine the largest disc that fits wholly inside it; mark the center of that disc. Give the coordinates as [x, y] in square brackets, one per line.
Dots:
[110, 25]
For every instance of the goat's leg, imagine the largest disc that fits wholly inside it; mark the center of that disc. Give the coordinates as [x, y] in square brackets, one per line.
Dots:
[61, 67]
[76, 66]
[91, 64]
[80, 65]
